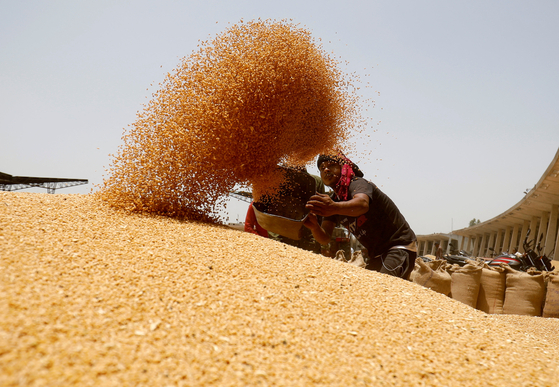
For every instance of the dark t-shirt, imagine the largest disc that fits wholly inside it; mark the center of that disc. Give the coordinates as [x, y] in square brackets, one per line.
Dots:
[380, 228]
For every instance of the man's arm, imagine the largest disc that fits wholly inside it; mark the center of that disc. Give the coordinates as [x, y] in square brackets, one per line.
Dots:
[322, 233]
[323, 205]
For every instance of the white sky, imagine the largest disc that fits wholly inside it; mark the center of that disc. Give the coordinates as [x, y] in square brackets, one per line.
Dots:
[468, 104]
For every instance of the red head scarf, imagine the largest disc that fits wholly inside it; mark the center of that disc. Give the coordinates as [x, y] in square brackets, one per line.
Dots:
[349, 170]
[345, 179]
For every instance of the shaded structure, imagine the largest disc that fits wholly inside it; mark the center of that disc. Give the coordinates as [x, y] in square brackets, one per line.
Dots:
[241, 195]
[538, 212]
[14, 183]
[450, 243]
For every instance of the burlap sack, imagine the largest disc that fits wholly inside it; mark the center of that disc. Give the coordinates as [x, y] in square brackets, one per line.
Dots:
[357, 259]
[340, 256]
[551, 308]
[464, 283]
[415, 272]
[432, 275]
[492, 287]
[525, 292]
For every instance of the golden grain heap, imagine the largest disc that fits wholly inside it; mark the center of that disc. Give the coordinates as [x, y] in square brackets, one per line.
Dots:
[92, 296]
[259, 94]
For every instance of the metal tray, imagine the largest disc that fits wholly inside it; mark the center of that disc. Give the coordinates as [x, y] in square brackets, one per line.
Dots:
[285, 213]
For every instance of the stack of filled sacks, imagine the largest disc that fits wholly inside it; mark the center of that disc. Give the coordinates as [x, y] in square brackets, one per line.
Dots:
[494, 290]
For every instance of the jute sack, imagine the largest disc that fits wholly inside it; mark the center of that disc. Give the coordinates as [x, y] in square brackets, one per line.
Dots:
[464, 283]
[492, 286]
[340, 256]
[415, 270]
[432, 275]
[551, 308]
[357, 259]
[525, 292]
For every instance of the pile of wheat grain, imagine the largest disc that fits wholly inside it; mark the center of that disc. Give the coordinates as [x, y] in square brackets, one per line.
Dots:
[259, 94]
[93, 296]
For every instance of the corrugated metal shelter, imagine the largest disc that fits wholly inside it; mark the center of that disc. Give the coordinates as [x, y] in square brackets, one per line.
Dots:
[14, 183]
[538, 212]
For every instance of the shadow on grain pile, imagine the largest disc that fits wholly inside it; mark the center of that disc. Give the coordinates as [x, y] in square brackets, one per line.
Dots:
[92, 296]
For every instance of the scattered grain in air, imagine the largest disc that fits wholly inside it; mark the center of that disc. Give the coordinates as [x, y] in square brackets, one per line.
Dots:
[259, 94]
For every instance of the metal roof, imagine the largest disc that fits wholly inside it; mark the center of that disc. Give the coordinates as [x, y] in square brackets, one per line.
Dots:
[13, 183]
[539, 199]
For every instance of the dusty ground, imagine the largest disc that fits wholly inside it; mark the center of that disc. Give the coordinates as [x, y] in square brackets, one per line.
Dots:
[92, 296]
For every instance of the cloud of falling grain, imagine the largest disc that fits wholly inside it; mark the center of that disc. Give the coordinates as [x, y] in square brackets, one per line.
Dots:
[259, 94]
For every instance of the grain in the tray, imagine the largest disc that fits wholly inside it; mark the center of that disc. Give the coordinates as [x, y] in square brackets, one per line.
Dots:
[261, 93]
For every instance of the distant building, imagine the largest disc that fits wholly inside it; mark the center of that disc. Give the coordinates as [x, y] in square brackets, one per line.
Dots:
[536, 216]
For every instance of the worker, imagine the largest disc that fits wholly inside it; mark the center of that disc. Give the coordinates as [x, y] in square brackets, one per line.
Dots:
[366, 212]
[251, 223]
[438, 251]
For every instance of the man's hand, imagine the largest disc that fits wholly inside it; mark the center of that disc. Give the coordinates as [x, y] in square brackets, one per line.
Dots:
[311, 222]
[321, 233]
[322, 205]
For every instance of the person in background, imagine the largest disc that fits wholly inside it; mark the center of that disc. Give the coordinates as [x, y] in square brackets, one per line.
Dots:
[438, 251]
[251, 224]
[366, 212]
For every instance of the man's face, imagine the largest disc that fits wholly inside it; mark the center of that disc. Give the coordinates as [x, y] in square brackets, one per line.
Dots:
[330, 173]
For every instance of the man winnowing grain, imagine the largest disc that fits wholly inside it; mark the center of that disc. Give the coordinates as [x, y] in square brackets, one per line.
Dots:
[366, 212]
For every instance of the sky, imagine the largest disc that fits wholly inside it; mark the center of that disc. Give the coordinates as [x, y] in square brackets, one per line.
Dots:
[465, 115]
